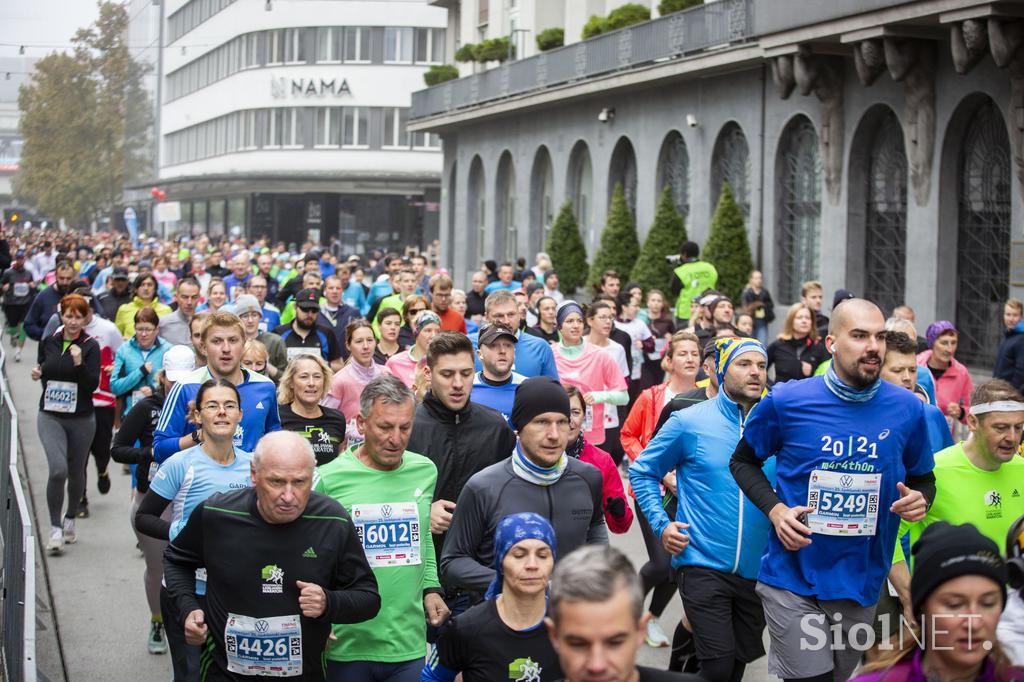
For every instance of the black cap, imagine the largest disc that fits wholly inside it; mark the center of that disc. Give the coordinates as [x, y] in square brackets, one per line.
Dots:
[841, 295]
[944, 552]
[492, 332]
[308, 299]
[119, 273]
[535, 396]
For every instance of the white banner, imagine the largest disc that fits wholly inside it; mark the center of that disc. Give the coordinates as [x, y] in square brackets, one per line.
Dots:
[168, 212]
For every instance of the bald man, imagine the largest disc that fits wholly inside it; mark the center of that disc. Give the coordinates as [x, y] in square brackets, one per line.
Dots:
[850, 463]
[282, 564]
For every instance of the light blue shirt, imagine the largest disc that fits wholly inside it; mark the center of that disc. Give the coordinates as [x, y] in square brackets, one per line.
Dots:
[191, 476]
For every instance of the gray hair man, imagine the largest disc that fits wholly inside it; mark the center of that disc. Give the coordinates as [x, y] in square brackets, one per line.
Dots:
[596, 619]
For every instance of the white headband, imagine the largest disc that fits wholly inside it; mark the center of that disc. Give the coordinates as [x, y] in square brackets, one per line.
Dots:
[998, 406]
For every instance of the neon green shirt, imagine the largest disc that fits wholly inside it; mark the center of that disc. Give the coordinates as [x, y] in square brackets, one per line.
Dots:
[390, 509]
[395, 301]
[991, 500]
[696, 276]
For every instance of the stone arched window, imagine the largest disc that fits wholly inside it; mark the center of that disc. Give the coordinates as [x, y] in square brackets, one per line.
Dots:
[798, 215]
[580, 186]
[476, 218]
[885, 214]
[730, 162]
[674, 171]
[542, 198]
[984, 179]
[506, 227]
[622, 170]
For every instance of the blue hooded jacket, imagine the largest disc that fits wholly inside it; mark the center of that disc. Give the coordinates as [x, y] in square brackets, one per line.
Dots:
[1010, 358]
[127, 374]
[727, 532]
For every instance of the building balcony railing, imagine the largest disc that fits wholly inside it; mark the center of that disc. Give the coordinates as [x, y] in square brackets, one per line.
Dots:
[712, 25]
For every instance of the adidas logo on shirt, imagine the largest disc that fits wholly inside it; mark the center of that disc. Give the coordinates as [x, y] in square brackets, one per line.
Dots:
[309, 554]
[1015, 493]
[259, 405]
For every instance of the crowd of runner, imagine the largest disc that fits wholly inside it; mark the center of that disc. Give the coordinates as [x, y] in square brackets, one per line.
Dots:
[345, 468]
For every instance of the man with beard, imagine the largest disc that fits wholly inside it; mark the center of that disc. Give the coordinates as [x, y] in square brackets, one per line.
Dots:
[304, 335]
[718, 560]
[264, 265]
[45, 303]
[851, 461]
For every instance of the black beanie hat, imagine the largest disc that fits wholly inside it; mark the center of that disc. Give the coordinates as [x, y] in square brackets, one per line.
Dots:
[944, 552]
[538, 395]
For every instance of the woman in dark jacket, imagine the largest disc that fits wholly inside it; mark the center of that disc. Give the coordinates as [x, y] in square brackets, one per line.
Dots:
[70, 372]
[798, 351]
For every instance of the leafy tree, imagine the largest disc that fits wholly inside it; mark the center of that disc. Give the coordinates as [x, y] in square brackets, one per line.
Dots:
[466, 53]
[86, 122]
[670, 6]
[727, 247]
[568, 254]
[668, 231]
[627, 15]
[550, 38]
[439, 73]
[619, 244]
[493, 50]
[595, 26]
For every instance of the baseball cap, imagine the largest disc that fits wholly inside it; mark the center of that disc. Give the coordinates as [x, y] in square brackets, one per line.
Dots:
[307, 299]
[119, 273]
[492, 332]
[179, 361]
[247, 303]
[20, 253]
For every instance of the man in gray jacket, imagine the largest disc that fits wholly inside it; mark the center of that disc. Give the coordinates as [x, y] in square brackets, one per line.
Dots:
[538, 477]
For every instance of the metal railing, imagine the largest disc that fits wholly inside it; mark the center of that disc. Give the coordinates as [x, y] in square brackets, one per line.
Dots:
[715, 24]
[18, 572]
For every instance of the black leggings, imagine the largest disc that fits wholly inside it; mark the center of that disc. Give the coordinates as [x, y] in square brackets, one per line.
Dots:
[102, 438]
[722, 669]
[612, 443]
[824, 677]
[656, 574]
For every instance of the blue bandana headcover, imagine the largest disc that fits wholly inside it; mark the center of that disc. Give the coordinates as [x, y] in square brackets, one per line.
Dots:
[728, 349]
[565, 310]
[512, 530]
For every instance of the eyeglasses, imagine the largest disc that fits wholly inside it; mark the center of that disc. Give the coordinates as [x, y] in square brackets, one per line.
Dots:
[217, 407]
[417, 311]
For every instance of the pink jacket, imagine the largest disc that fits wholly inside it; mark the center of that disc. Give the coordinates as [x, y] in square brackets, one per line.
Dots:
[612, 485]
[954, 386]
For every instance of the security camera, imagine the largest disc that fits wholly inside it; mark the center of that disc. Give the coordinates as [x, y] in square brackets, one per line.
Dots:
[606, 115]
[691, 120]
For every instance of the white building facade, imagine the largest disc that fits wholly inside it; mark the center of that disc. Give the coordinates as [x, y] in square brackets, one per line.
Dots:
[286, 119]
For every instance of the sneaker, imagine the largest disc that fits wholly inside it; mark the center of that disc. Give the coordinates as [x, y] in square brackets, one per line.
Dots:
[103, 483]
[70, 536]
[17, 354]
[157, 643]
[655, 636]
[55, 545]
[83, 508]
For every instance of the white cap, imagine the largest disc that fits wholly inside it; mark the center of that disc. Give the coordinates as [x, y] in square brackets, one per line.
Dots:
[179, 362]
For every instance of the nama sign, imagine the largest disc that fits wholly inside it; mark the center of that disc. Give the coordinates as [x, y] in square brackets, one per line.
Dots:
[308, 87]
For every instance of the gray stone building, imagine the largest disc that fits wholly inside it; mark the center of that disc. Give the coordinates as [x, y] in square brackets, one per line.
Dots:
[874, 145]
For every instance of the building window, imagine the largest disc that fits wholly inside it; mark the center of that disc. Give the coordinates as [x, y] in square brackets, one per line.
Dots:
[250, 136]
[623, 172]
[426, 141]
[730, 162]
[294, 50]
[354, 126]
[429, 45]
[581, 187]
[885, 215]
[798, 171]
[328, 127]
[398, 45]
[395, 135]
[275, 47]
[357, 44]
[984, 182]
[328, 45]
[674, 171]
[252, 50]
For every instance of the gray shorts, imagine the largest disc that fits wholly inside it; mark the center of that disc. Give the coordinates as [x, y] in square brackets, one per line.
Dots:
[801, 633]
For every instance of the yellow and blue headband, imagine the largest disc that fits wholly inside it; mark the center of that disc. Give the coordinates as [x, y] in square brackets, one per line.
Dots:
[728, 348]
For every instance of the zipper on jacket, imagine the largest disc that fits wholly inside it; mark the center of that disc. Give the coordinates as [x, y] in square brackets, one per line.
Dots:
[739, 516]
[551, 504]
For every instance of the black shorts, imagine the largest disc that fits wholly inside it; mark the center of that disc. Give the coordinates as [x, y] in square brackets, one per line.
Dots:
[724, 612]
[15, 314]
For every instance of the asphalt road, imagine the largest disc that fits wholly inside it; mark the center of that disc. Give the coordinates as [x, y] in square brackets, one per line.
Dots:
[98, 604]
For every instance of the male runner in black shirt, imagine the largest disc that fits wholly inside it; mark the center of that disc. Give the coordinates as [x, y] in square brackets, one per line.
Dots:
[282, 564]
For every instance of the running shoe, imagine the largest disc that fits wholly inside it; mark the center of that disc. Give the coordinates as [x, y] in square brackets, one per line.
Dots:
[103, 482]
[157, 643]
[17, 354]
[655, 636]
[83, 508]
[70, 536]
[55, 545]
